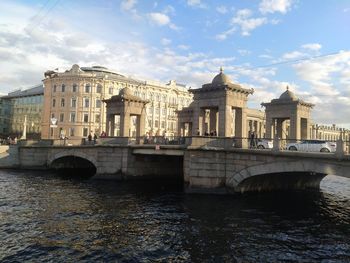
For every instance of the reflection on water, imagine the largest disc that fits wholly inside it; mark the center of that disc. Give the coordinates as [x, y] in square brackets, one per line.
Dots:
[45, 218]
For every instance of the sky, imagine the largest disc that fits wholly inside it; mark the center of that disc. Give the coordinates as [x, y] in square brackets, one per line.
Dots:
[266, 45]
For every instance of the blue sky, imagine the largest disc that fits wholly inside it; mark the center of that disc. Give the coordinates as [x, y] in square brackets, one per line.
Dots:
[261, 44]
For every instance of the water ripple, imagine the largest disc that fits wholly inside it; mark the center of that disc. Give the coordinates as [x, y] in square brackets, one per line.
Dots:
[45, 218]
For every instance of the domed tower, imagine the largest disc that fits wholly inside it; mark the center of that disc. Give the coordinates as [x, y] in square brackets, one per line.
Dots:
[288, 109]
[218, 108]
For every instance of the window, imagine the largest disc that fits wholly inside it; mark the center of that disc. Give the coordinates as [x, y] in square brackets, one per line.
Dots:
[86, 102]
[63, 88]
[149, 123]
[85, 132]
[75, 87]
[86, 117]
[74, 102]
[157, 111]
[110, 90]
[87, 88]
[72, 117]
[71, 131]
[98, 103]
[164, 111]
[99, 88]
[163, 124]
[156, 123]
[62, 102]
[54, 88]
[54, 103]
[61, 117]
[97, 118]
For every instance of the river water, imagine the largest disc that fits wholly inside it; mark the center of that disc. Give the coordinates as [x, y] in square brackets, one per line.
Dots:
[44, 218]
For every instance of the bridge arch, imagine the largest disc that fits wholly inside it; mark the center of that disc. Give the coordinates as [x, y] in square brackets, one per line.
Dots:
[73, 164]
[82, 155]
[282, 175]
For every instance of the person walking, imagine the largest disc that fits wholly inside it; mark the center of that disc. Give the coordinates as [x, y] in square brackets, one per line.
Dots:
[95, 138]
[89, 138]
[252, 140]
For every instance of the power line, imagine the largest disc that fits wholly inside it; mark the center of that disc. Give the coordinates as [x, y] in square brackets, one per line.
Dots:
[288, 61]
[41, 9]
[43, 17]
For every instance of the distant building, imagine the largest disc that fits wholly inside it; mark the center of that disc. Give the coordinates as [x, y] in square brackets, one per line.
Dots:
[20, 104]
[329, 132]
[74, 98]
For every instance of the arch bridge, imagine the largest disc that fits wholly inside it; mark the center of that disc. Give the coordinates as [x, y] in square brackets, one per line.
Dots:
[213, 169]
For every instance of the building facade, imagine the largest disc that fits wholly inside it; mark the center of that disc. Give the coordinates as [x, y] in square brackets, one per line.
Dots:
[19, 107]
[74, 99]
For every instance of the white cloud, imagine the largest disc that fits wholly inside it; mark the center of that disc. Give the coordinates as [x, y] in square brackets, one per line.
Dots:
[272, 6]
[159, 19]
[246, 23]
[169, 10]
[293, 55]
[265, 56]
[222, 9]
[312, 46]
[244, 52]
[165, 41]
[224, 35]
[196, 3]
[326, 75]
[128, 5]
[183, 47]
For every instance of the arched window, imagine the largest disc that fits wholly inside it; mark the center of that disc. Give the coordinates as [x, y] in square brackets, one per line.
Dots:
[63, 88]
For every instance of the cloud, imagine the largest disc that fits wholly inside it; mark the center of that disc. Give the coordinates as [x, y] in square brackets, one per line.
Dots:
[222, 9]
[326, 75]
[165, 41]
[128, 5]
[169, 10]
[312, 46]
[183, 47]
[272, 6]
[293, 55]
[224, 35]
[159, 19]
[244, 52]
[196, 3]
[244, 20]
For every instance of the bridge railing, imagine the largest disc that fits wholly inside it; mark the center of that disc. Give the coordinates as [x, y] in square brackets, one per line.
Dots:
[207, 142]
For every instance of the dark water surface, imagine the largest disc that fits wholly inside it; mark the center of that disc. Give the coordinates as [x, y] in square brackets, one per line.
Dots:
[47, 219]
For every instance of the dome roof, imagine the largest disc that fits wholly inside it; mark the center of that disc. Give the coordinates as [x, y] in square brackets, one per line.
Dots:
[288, 95]
[221, 79]
[126, 92]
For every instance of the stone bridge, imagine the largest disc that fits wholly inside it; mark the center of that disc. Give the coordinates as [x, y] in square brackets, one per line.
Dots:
[243, 170]
[203, 169]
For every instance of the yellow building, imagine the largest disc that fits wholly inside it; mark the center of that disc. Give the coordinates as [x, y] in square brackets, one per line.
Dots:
[74, 99]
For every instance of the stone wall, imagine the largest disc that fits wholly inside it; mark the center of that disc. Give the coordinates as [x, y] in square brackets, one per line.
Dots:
[229, 170]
